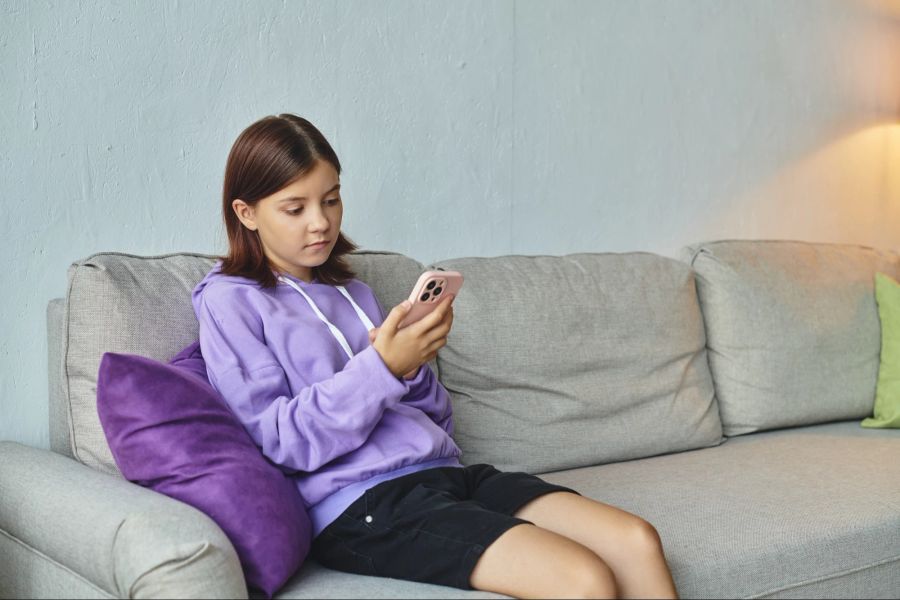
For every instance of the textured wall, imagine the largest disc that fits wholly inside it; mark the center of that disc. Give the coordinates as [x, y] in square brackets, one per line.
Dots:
[465, 129]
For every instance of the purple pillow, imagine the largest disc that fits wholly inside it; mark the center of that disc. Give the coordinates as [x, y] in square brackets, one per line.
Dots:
[169, 430]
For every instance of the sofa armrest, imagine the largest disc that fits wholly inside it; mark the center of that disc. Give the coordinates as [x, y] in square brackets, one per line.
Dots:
[126, 540]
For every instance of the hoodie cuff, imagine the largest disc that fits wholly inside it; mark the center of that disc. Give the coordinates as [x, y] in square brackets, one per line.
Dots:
[420, 377]
[374, 365]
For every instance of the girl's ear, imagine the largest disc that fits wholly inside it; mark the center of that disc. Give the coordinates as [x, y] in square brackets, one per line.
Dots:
[245, 214]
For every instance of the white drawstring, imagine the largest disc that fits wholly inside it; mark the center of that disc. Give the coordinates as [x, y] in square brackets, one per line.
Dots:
[334, 330]
[362, 316]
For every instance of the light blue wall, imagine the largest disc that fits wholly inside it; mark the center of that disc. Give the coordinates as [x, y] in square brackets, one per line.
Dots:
[464, 128]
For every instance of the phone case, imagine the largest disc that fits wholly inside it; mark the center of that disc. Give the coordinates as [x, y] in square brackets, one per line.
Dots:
[431, 287]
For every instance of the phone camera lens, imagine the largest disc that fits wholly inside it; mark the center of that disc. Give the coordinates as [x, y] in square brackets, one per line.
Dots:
[430, 285]
[424, 297]
[437, 291]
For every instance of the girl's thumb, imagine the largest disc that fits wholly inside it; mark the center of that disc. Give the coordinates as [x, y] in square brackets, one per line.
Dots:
[397, 313]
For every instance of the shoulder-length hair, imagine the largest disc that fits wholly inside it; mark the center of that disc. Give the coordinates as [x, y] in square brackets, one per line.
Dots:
[267, 156]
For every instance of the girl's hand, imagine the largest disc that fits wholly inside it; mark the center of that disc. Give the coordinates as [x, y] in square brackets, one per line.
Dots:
[373, 333]
[405, 350]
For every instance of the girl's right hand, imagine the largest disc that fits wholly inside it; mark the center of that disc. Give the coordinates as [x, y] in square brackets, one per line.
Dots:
[406, 349]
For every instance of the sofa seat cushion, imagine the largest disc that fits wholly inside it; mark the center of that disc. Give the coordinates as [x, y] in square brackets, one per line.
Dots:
[315, 581]
[792, 329]
[802, 512]
[557, 362]
[808, 512]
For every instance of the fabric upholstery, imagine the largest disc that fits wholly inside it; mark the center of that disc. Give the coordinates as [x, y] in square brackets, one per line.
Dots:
[809, 512]
[315, 581]
[45, 578]
[792, 329]
[766, 512]
[560, 362]
[124, 304]
[125, 540]
[60, 439]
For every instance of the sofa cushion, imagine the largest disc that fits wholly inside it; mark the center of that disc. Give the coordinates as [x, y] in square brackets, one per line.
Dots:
[556, 362]
[125, 304]
[170, 431]
[141, 305]
[792, 329]
[809, 512]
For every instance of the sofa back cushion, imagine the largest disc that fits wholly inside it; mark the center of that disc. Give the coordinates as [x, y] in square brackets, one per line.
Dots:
[556, 362]
[125, 304]
[142, 305]
[792, 329]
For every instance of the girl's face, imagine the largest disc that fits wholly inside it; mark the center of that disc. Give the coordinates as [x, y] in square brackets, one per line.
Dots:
[307, 211]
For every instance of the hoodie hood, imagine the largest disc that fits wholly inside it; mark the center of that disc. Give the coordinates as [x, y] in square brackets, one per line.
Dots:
[216, 275]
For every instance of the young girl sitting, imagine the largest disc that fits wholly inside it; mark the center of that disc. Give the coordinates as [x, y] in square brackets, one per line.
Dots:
[343, 401]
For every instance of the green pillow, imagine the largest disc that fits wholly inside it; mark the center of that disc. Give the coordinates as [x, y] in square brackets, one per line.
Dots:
[887, 392]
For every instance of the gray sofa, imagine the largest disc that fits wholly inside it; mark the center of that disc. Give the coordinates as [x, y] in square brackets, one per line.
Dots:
[718, 396]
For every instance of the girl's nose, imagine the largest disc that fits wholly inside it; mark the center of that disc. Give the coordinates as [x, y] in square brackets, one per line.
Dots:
[318, 221]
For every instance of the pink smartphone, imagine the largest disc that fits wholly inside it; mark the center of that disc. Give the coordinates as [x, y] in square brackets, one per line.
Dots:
[430, 289]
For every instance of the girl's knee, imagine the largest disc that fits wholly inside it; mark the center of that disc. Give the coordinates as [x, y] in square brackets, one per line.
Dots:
[591, 577]
[643, 538]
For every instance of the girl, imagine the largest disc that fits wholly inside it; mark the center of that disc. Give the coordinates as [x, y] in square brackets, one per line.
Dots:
[341, 400]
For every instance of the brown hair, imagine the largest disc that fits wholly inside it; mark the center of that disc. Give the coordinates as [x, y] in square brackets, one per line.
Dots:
[268, 155]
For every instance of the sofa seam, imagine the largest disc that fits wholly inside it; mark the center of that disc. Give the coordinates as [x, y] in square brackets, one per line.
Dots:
[84, 261]
[65, 370]
[56, 563]
[790, 241]
[826, 577]
[87, 259]
[205, 547]
[381, 252]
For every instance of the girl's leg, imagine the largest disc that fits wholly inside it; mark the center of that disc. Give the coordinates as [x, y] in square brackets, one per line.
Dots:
[530, 562]
[628, 544]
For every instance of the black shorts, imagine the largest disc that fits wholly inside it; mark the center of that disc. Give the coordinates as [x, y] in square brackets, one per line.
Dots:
[430, 526]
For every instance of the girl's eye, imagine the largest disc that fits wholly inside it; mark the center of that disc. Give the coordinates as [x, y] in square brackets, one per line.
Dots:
[296, 211]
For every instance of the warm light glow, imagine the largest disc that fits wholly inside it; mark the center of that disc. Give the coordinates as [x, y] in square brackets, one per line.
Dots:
[847, 192]
[868, 60]
[888, 8]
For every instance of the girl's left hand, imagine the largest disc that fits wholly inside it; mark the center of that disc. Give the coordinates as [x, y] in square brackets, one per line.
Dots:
[373, 333]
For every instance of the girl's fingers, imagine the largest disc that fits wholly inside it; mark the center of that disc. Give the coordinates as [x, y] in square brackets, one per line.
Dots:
[438, 315]
[396, 315]
[438, 328]
[436, 345]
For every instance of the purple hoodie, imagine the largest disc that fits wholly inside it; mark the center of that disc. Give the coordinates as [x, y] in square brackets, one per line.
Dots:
[337, 425]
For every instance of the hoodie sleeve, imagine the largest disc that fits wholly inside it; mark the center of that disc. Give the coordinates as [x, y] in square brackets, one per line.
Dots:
[322, 422]
[427, 394]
